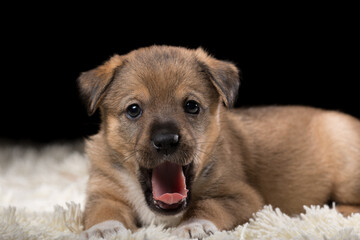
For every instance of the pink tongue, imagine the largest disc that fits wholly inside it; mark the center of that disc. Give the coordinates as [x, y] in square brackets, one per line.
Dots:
[168, 183]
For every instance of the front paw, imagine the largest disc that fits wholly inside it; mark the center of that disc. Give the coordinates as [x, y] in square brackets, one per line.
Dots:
[103, 229]
[195, 228]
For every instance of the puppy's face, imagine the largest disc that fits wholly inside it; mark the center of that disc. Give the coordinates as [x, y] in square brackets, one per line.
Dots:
[161, 113]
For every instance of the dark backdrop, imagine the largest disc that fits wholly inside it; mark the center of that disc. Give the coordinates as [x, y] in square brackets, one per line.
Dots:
[284, 60]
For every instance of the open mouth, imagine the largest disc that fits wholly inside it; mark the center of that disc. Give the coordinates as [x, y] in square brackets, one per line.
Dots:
[167, 187]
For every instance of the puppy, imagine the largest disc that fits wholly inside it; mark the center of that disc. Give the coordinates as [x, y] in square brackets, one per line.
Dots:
[172, 151]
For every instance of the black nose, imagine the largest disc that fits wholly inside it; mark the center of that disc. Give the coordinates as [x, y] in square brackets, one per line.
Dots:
[165, 142]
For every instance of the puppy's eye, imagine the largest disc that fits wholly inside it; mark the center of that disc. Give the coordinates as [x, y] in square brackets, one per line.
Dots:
[192, 107]
[133, 111]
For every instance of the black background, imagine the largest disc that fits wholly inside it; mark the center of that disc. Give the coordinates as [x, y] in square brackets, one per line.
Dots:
[304, 57]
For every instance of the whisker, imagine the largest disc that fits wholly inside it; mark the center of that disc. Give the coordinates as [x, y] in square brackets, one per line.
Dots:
[127, 158]
[195, 141]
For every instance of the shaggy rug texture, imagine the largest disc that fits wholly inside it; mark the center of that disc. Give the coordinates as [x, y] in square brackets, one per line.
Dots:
[42, 193]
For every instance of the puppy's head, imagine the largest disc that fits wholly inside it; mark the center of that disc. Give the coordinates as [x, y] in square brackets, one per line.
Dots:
[161, 111]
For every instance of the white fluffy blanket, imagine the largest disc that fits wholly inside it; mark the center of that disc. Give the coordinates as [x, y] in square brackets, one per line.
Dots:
[42, 192]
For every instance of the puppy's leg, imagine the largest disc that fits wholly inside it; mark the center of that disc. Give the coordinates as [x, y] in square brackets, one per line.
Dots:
[223, 212]
[195, 228]
[347, 194]
[344, 131]
[105, 216]
[101, 230]
[347, 210]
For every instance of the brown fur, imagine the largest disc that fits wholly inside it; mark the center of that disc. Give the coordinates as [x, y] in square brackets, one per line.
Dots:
[243, 158]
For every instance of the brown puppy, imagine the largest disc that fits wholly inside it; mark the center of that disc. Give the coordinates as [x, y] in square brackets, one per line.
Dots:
[170, 151]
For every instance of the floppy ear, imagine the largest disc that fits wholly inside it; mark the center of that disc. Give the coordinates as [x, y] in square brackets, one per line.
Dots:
[223, 75]
[94, 83]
